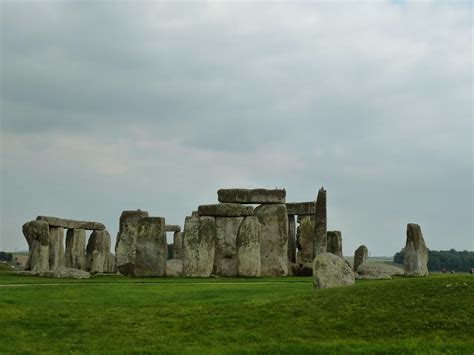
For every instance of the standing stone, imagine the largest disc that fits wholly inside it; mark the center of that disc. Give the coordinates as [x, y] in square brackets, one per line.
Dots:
[251, 196]
[178, 245]
[110, 265]
[126, 239]
[199, 246]
[225, 259]
[174, 267]
[151, 248]
[291, 239]
[273, 239]
[37, 236]
[305, 240]
[320, 225]
[360, 256]
[416, 252]
[75, 255]
[56, 247]
[248, 248]
[334, 239]
[97, 251]
[329, 271]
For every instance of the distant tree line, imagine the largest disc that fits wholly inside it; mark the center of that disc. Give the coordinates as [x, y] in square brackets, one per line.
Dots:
[5, 256]
[444, 259]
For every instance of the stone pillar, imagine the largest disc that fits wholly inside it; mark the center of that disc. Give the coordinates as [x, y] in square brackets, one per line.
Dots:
[320, 225]
[98, 251]
[56, 247]
[151, 248]
[248, 248]
[360, 256]
[75, 255]
[291, 239]
[273, 219]
[416, 252]
[178, 245]
[225, 259]
[305, 240]
[334, 240]
[37, 235]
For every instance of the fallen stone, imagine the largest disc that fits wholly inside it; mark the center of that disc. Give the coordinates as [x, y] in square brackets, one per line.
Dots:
[273, 239]
[56, 247]
[330, 270]
[291, 239]
[369, 271]
[248, 248]
[37, 235]
[360, 256]
[199, 246]
[75, 255]
[70, 223]
[301, 208]
[97, 251]
[60, 273]
[172, 228]
[320, 224]
[225, 210]
[305, 240]
[174, 268]
[334, 243]
[225, 259]
[178, 245]
[416, 252]
[251, 196]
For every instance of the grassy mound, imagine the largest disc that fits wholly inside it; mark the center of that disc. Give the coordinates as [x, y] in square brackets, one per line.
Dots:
[284, 315]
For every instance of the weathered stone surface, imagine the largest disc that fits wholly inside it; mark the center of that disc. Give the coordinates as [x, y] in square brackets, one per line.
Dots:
[225, 210]
[199, 246]
[334, 240]
[248, 248]
[305, 240]
[61, 272]
[75, 255]
[172, 228]
[174, 267]
[381, 267]
[97, 251]
[125, 249]
[372, 271]
[56, 247]
[151, 248]
[291, 239]
[273, 239]
[301, 208]
[71, 223]
[225, 259]
[110, 266]
[251, 196]
[37, 236]
[320, 224]
[195, 214]
[360, 256]
[416, 252]
[178, 245]
[293, 269]
[330, 270]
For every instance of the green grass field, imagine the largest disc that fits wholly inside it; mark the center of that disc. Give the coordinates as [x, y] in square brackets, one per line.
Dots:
[113, 314]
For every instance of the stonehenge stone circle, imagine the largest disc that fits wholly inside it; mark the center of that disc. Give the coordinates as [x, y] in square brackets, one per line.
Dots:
[251, 196]
[98, 251]
[225, 258]
[360, 256]
[330, 270]
[248, 248]
[416, 252]
[301, 208]
[37, 235]
[273, 239]
[70, 223]
[225, 210]
[151, 252]
[199, 246]
[56, 247]
[334, 240]
[305, 240]
[291, 239]
[178, 245]
[320, 224]
[75, 254]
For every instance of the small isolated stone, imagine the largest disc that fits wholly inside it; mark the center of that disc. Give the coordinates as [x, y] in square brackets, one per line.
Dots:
[368, 271]
[330, 270]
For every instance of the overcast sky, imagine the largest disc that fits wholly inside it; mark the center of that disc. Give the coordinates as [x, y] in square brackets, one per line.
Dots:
[108, 106]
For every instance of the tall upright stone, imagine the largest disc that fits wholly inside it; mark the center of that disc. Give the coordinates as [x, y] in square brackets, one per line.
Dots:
[416, 252]
[56, 247]
[225, 259]
[360, 256]
[334, 240]
[75, 255]
[248, 248]
[178, 245]
[305, 240]
[98, 251]
[199, 246]
[273, 219]
[125, 247]
[291, 238]
[37, 235]
[151, 248]
[320, 225]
